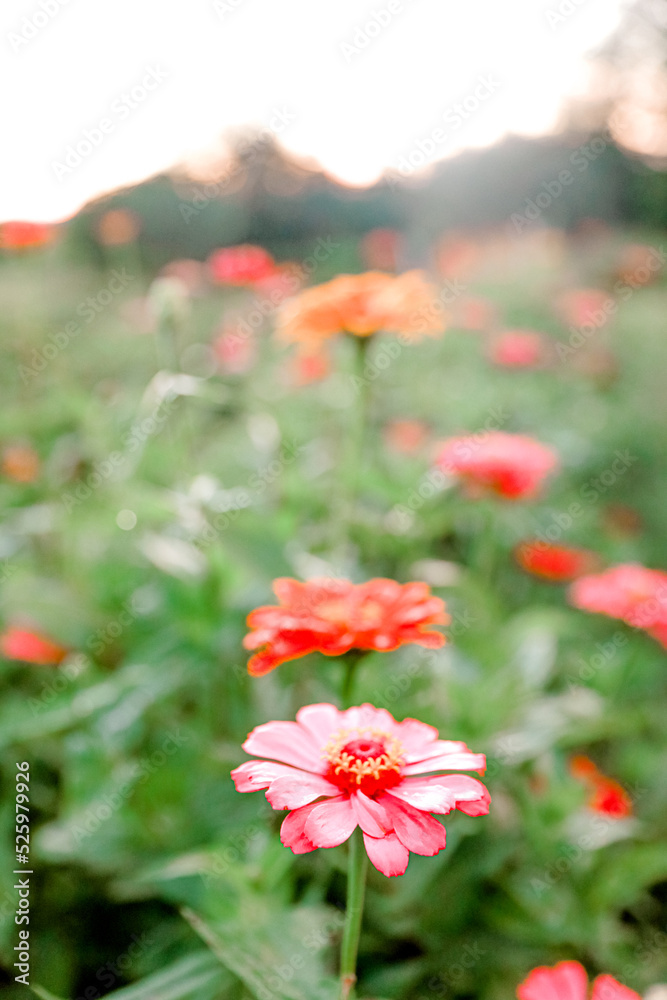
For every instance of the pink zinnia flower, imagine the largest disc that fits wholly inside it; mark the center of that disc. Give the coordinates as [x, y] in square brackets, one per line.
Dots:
[631, 592]
[338, 770]
[512, 466]
[568, 981]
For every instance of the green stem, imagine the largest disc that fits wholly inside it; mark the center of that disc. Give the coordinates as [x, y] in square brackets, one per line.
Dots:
[351, 662]
[356, 884]
[353, 444]
[484, 543]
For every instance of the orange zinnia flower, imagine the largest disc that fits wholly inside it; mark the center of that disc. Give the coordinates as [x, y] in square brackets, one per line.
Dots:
[25, 235]
[557, 563]
[333, 616]
[20, 463]
[21, 644]
[361, 304]
[606, 796]
[118, 226]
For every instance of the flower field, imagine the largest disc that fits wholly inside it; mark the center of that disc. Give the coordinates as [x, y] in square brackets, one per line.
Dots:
[310, 559]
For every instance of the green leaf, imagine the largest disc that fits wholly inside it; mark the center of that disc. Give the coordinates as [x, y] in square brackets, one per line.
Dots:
[277, 957]
[198, 975]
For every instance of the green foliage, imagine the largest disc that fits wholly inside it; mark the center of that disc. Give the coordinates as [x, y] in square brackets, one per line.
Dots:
[153, 877]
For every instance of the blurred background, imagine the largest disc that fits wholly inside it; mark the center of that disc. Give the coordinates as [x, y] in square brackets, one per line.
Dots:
[163, 458]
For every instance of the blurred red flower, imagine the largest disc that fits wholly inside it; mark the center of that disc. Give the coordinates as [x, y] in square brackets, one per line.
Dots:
[557, 563]
[512, 466]
[307, 368]
[241, 265]
[606, 796]
[518, 349]
[20, 463]
[25, 235]
[21, 644]
[568, 981]
[631, 592]
[333, 616]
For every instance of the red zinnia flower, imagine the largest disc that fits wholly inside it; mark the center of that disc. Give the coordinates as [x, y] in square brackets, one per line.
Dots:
[241, 265]
[606, 795]
[25, 235]
[568, 981]
[333, 616]
[509, 465]
[631, 592]
[557, 563]
[339, 770]
[518, 349]
[20, 644]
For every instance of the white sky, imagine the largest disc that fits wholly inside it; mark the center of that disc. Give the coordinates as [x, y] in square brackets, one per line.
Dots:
[357, 111]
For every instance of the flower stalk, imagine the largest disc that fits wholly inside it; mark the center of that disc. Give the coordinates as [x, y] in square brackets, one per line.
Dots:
[356, 887]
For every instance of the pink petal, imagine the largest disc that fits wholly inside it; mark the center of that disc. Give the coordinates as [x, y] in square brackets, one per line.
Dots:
[448, 762]
[287, 742]
[387, 854]
[291, 831]
[331, 822]
[322, 721]
[367, 715]
[416, 738]
[436, 748]
[606, 988]
[565, 981]
[416, 830]
[442, 793]
[371, 816]
[293, 791]
[255, 774]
